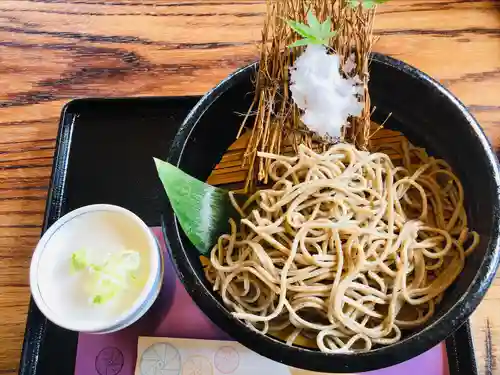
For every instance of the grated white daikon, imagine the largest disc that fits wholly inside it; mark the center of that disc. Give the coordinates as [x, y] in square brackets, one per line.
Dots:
[325, 96]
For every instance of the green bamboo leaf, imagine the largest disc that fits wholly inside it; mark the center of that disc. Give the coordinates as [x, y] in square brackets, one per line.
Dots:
[203, 211]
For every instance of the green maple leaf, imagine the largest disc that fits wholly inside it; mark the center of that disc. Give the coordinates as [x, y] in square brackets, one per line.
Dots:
[368, 4]
[314, 32]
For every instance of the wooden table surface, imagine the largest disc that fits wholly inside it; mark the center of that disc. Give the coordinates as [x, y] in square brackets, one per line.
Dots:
[55, 50]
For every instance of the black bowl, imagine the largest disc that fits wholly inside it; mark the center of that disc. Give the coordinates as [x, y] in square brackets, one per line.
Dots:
[429, 116]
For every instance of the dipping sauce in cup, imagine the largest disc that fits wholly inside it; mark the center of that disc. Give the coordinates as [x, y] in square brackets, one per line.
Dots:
[97, 269]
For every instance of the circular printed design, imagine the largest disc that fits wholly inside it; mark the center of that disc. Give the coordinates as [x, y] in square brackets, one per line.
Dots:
[226, 359]
[197, 365]
[109, 361]
[160, 359]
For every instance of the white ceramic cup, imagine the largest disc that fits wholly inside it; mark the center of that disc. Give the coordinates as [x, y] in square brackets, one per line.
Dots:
[60, 296]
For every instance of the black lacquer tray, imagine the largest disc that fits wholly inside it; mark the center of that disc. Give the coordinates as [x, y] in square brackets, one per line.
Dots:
[103, 155]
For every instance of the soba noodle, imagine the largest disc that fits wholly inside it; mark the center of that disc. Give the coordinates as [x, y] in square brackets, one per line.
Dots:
[346, 248]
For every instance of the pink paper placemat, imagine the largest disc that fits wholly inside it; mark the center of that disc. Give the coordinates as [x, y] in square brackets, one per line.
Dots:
[174, 314]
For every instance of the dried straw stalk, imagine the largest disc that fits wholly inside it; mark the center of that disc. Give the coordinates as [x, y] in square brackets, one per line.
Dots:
[277, 120]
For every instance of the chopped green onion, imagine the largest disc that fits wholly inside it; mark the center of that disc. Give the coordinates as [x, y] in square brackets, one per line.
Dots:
[79, 260]
[105, 280]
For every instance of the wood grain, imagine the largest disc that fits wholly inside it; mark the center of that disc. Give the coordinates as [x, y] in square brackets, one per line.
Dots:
[55, 50]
